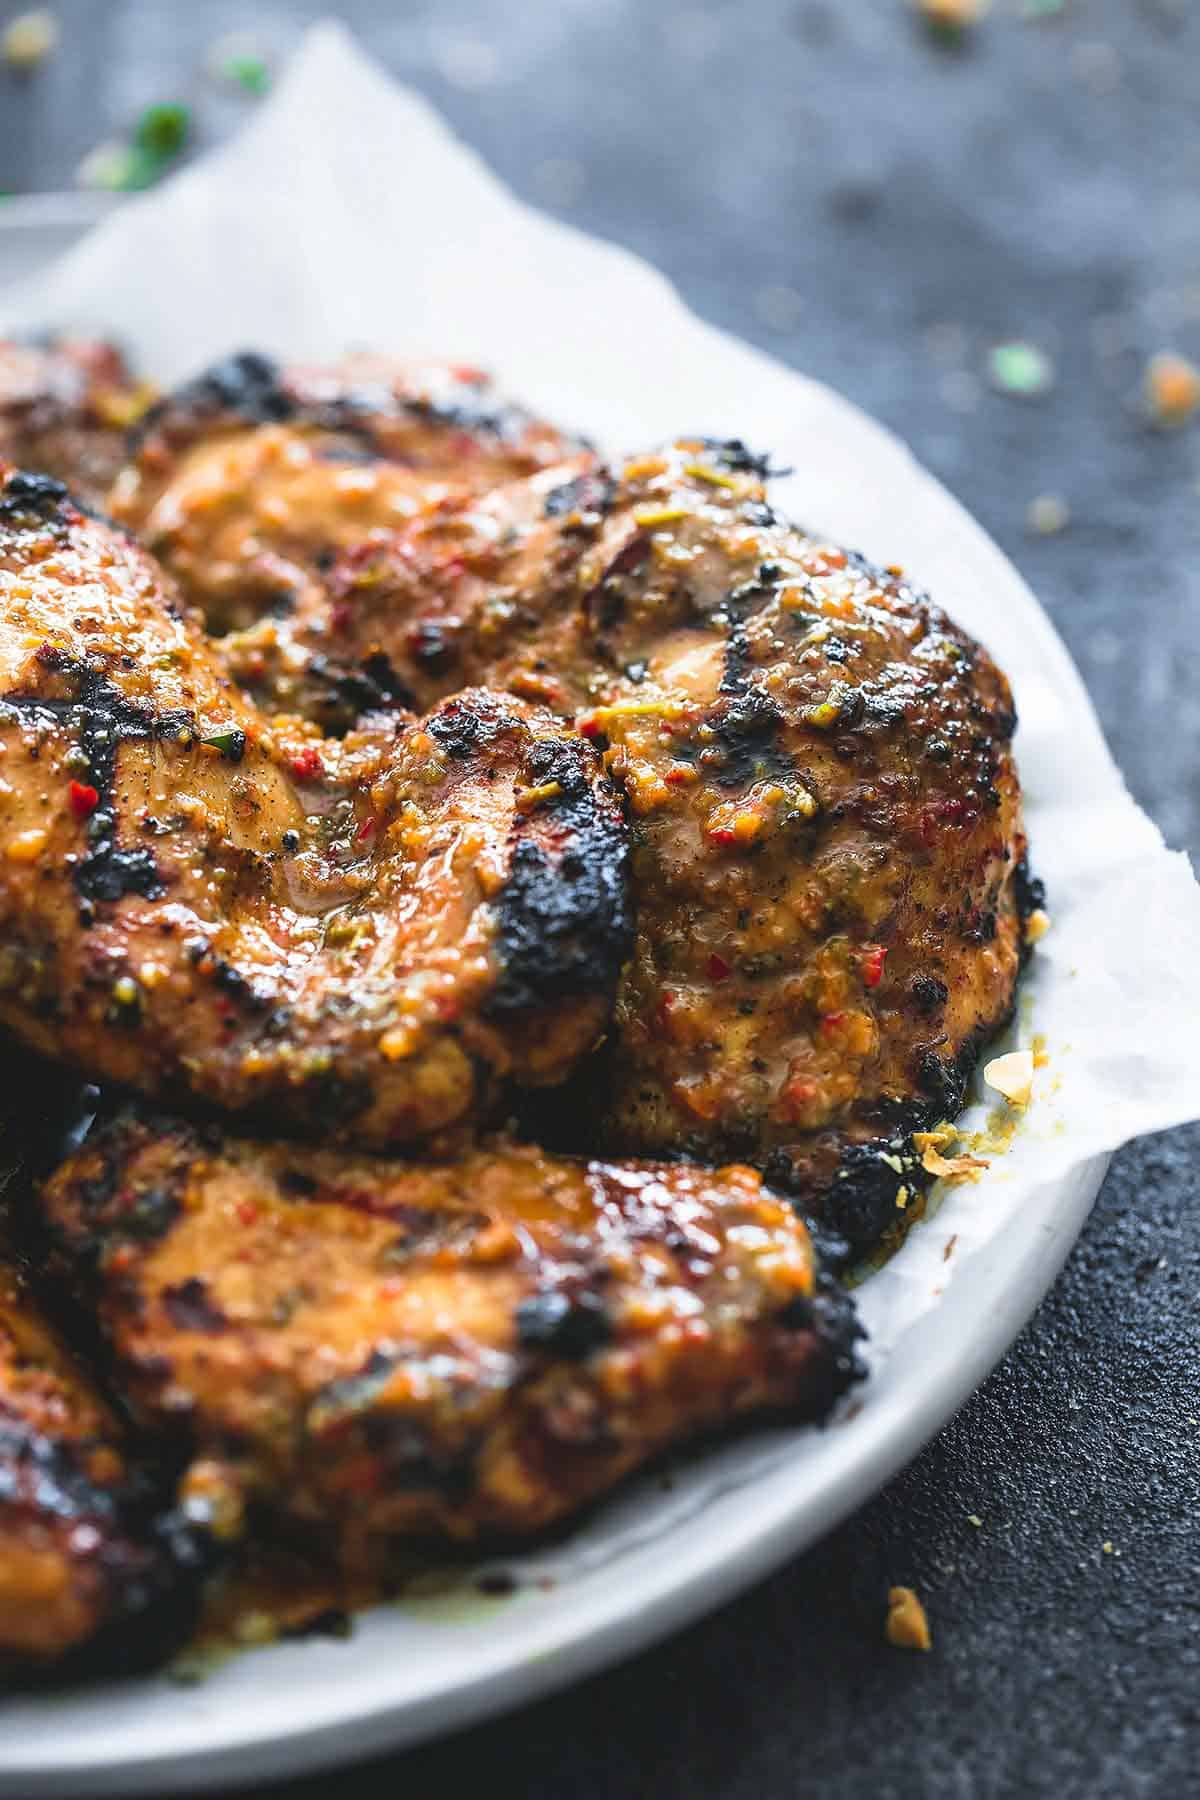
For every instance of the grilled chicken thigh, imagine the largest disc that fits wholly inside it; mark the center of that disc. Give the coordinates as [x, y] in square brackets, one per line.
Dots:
[375, 1349]
[248, 481]
[829, 856]
[360, 938]
[88, 1571]
[65, 408]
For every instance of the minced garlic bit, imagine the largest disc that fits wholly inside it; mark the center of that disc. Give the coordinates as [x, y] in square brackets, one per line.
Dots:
[29, 39]
[906, 1627]
[1036, 926]
[1012, 1076]
[27, 846]
[929, 1146]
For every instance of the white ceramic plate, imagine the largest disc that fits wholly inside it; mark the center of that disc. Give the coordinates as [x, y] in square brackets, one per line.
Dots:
[656, 1557]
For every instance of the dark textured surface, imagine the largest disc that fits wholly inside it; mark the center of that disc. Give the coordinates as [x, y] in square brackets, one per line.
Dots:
[878, 210]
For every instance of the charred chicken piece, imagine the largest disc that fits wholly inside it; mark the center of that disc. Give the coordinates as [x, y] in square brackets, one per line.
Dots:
[90, 1574]
[65, 408]
[361, 939]
[828, 843]
[829, 853]
[248, 481]
[378, 1350]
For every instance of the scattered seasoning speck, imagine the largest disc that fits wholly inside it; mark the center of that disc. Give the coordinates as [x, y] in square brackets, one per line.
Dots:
[1012, 1076]
[1021, 369]
[975, 1520]
[110, 167]
[950, 20]
[1172, 388]
[162, 130]
[29, 39]
[906, 1626]
[1036, 927]
[1047, 515]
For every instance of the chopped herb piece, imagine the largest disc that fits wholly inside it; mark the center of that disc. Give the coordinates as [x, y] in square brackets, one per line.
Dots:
[1020, 368]
[247, 72]
[231, 742]
[162, 130]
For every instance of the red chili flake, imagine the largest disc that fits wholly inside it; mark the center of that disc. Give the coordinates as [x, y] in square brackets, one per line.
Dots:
[84, 799]
[832, 1021]
[306, 765]
[718, 968]
[871, 966]
[365, 830]
[588, 726]
[677, 777]
[798, 1092]
[247, 1212]
[722, 834]
[666, 1002]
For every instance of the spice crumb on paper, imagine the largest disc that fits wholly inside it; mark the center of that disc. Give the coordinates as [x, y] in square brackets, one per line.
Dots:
[907, 1625]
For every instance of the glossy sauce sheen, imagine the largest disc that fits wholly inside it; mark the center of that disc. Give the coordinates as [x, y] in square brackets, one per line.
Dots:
[378, 1349]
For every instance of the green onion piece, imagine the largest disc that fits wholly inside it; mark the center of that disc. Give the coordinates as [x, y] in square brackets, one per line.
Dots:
[248, 72]
[1019, 368]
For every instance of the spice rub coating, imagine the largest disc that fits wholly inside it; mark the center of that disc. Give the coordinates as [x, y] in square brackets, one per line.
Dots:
[828, 847]
[378, 1350]
[360, 939]
[65, 407]
[247, 481]
[88, 1573]
[828, 866]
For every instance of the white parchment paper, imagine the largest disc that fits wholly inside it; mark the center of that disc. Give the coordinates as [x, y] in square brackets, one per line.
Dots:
[347, 215]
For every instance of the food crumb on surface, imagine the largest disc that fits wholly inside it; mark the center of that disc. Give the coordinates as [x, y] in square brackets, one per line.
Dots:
[951, 16]
[1012, 1076]
[1021, 369]
[906, 1626]
[1037, 925]
[975, 1520]
[1047, 515]
[29, 39]
[1172, 388]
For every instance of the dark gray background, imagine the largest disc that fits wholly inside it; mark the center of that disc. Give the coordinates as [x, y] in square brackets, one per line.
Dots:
[878, 210]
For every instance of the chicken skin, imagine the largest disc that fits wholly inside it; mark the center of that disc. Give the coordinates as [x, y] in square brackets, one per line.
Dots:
[65, 408]
[363, 939]
[374, 1350]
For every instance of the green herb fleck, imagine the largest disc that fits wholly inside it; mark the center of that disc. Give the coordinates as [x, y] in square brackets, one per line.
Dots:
[230, 741]
[1019, 368]
[162, 130]
[248, 72]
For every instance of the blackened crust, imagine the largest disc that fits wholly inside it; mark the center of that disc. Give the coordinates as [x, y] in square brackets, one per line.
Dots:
[565, 918]
[147, 1563]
